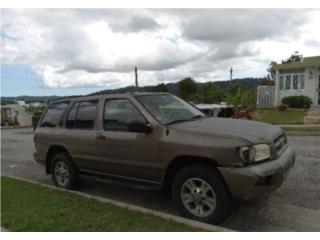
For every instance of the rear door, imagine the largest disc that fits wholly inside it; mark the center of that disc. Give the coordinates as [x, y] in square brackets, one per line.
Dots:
[79, 134]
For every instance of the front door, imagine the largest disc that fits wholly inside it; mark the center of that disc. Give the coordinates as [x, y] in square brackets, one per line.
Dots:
[125, 153]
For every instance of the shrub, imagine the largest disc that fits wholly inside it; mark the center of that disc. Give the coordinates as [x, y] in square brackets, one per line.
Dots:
[241, 115]
[297, 101]
[282, 107]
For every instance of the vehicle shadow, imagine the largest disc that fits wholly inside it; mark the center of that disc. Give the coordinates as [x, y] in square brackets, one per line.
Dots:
[242, 217]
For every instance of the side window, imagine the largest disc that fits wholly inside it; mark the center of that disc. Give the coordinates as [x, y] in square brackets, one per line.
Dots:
[71, 119]
[288, 82]
[302, 81]
[86, 114]
[118, 113]
[82, 115]
[295, 81]
[53, 114]
[281, 82]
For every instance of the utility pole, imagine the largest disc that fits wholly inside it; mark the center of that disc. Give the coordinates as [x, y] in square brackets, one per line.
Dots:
[136, 77]
[231, 71]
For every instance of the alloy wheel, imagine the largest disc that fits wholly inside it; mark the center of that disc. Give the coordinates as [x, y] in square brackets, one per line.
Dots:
[62, 173]
[198, 197]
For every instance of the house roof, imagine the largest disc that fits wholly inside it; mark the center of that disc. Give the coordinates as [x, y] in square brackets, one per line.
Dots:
[306, 62]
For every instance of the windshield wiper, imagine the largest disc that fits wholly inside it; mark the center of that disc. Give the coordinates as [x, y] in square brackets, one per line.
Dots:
[197, 116]
[186, 120]
[179, 120]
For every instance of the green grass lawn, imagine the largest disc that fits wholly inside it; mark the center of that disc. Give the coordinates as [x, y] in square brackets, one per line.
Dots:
[302, 130]
[290, 116]
[30, 207]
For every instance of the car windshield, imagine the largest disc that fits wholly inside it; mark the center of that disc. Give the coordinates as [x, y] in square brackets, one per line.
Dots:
[169, 109]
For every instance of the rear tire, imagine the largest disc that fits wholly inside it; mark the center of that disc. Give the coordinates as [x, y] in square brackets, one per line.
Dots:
[199, 193]
[64, 172]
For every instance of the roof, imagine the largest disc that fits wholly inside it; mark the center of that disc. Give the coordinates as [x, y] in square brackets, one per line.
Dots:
[306, 62]
[147, 93]
[116, 95]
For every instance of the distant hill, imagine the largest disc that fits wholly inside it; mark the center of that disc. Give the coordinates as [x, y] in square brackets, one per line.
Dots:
[28, 99]
[245, 83]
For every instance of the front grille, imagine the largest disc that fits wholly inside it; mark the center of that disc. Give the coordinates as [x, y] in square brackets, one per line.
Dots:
[280, 142]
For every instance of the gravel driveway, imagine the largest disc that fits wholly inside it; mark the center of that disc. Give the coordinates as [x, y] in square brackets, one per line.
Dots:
[295, 206]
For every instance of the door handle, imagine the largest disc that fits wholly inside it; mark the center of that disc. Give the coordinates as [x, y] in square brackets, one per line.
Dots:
[101, 137]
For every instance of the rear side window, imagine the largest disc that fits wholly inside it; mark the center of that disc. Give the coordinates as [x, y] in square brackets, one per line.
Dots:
[82, 115]
[71, 120]
[53, 114]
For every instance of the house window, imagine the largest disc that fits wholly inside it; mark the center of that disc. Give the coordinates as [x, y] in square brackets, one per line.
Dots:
[302, 81]
[295, 81]
[292, 79]
[288, 82]
[281, 82]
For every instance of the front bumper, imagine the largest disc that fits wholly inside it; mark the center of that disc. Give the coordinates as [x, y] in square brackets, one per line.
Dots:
[258, 179]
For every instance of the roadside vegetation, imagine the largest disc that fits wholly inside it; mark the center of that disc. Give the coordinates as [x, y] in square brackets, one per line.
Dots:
[32, 208]
[301, 131]
[36, 112]
[274, 116]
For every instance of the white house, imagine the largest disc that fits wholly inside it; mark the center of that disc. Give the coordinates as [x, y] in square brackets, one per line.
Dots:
[16, 114]
[301, 78]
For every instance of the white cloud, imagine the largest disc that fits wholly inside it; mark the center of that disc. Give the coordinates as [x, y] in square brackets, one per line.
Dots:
[101, 47]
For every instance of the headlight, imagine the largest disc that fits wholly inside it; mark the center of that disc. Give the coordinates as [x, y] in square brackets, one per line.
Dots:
[254, 153]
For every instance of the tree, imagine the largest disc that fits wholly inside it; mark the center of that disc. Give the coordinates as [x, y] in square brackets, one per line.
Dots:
[238, 98]
[233, 89]
[187, 89]
[35, 110]
[158, 88]
[271, 72]
[294, 58]
[211, 93]
[267, 81]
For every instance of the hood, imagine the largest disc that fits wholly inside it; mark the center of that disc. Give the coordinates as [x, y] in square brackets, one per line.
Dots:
[251, 131]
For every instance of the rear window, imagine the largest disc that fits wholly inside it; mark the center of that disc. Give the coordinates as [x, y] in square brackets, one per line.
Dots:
[82, 115]
[53, 114]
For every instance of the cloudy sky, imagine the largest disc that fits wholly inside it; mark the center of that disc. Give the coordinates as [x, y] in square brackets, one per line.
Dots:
[66, 51]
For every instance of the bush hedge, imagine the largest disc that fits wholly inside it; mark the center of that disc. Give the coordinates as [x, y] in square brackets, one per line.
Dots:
[297, 101]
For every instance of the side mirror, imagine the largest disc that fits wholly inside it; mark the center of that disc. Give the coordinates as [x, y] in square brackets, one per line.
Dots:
[140, 127]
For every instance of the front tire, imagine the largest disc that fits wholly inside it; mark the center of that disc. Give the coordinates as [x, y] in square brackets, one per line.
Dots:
[199, 193]
[64, 173]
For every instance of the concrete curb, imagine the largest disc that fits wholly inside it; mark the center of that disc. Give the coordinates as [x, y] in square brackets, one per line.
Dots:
[14, 127]
[196, 224]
